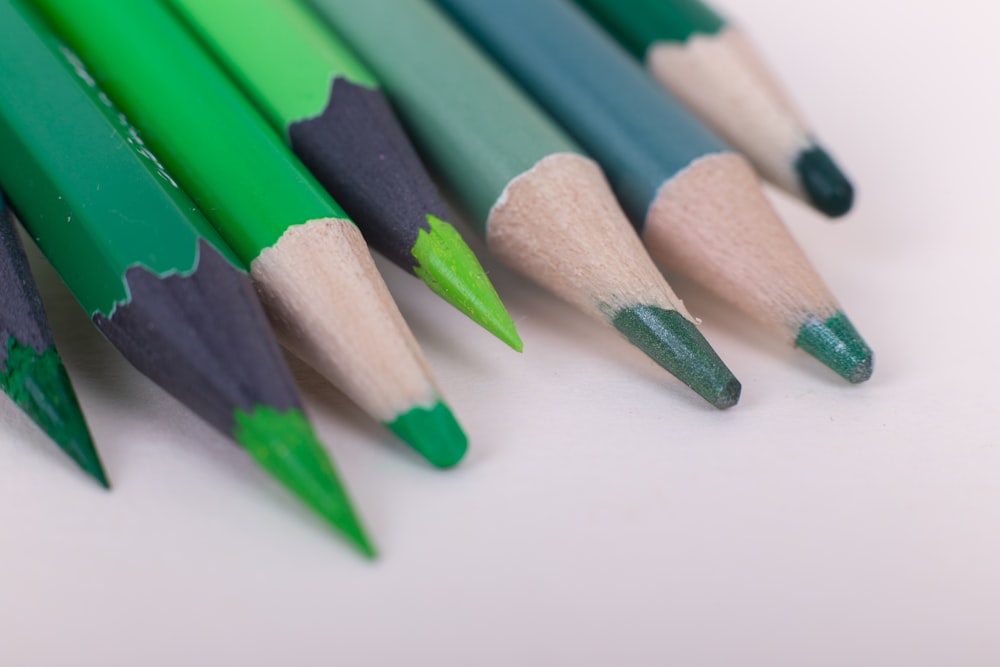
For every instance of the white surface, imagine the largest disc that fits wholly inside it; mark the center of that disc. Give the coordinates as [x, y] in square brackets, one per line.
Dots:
[605, 516]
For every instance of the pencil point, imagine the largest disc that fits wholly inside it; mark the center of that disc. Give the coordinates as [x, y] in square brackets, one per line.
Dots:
[283, 443]
[434, 433]
[452, 271]
[837, 344]
[824, 183]
[675, 343]
[39, 385]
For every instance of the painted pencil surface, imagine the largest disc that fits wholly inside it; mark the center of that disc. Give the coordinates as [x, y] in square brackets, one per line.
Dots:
[328, 107]
[308, 260]
[697, 204]
[31, 372]
[149, 270]
[715, 70]
[543, 207]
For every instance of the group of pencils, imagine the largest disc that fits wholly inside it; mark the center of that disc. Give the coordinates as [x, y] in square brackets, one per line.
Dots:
[207, 176]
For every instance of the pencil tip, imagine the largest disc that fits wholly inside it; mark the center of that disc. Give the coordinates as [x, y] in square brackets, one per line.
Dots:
[675, 343]
[40, 386]
[450, 268]
[434, 433]
[825, 184]
[284, 444]
[838, 344]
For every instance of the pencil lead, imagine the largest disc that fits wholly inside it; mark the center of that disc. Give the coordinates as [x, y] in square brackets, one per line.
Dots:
[827, 187]
[452, 271]
[837, 344]
[433, 432]
[285, 445]
[39, 385]
[675, 343]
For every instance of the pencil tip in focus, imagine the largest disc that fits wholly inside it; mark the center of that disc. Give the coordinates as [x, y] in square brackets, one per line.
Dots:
[284, 444]
[675, 343]
[39, 384]
[434, 433]
[826, 186]
[452, 271]
[838, 344]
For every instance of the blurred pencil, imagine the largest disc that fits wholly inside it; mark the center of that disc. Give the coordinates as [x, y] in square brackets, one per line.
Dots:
[714, 69]
[149, 270]
[309, 262]
[31, 372]
[329, 108]
[544, 208]
[697, 205]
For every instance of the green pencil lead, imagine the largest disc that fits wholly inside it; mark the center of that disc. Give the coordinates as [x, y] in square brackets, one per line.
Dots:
[838, 344]
[434, 433]
[827, 187]
[675, 343]
[38, 383]
[285, 445]
[452, 271]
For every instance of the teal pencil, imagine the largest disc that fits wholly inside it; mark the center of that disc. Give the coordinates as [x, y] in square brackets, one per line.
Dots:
[696, 203]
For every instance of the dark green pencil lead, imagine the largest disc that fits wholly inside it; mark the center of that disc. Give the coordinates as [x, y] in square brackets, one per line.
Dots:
[837, 344]
[434, 433]
[827, 187]
[675, 343]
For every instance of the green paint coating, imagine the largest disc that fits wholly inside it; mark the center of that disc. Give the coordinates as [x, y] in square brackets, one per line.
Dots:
[39, 385]
[286, 61]
[277, 51]
[825, 184]
[675, 343]
[470, 120]
[87, 189]
[434, 433]
[284, 444]
[221, 151]
[452, 271]
[838, 344]
[639, 24]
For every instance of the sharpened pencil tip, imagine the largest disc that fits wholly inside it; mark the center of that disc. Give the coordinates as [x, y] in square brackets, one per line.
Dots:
[40, 386]
[450, 268]
[434, 433]
[675, 343]
[283, 443]
[825, 184]
[838, 344]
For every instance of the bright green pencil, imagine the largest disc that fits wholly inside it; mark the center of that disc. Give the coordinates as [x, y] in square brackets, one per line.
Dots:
[149, 270]
[308, 260]
[714, 69]
[544, 208]
[329, 108]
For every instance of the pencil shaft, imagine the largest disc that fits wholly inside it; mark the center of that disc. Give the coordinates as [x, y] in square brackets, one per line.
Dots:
[329, 108]
[146, 266]
[338, 315]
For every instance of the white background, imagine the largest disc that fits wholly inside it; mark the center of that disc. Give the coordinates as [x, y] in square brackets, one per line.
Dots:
[605, 515]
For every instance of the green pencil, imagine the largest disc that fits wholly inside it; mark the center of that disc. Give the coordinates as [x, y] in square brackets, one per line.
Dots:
[715, 70]
[150, 271]
[308, 260]
[328, 107]
[543, 207]
[696, 203]
[31, 372]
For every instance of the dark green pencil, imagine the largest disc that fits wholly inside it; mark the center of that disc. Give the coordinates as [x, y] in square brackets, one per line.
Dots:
[31, 371]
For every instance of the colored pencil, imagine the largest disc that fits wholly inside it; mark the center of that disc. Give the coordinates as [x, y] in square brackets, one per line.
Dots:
[543, 207]
[715, 70]
[307, 259]
[697, 204]
[31, 371]
[150, 271]
[329, 108]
